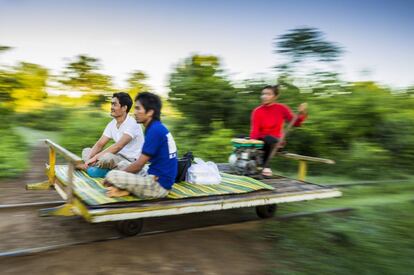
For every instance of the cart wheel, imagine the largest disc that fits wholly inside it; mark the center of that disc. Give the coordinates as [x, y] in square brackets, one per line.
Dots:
[129, 227]
[266, 211]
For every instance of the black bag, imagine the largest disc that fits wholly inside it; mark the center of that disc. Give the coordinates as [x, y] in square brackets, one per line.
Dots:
[183, 164]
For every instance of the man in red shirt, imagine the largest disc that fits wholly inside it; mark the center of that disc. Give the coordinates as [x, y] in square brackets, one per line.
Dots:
[268, 119]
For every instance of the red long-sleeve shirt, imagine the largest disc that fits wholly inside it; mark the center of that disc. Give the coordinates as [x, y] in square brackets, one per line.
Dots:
[268, 120]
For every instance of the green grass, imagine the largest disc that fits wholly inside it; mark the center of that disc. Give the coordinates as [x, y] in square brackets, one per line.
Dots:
[32, 136]
[376, 238]
[15, 146]
[13, 154]
[82, 129]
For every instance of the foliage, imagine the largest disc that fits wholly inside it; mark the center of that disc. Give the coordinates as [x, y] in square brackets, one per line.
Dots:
[245, 100]
[32, 79]
[375, 238]
[213, 146]
[307, 42]
[13, 154]
[201, 92]
[51, 118]
[81, 74]
[364, 127]
[136, 83]
[82, 129]
[7, 82]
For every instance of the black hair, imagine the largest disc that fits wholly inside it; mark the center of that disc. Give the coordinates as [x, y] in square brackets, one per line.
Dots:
[274, 88]
[150, 101]
[124, 100]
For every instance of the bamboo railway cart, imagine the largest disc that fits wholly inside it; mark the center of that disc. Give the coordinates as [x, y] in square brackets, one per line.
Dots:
[86, 197]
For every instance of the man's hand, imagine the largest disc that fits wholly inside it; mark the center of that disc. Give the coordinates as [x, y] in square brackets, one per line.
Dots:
[137, 165]
[82, 166]
[91, 161]
[303, 108]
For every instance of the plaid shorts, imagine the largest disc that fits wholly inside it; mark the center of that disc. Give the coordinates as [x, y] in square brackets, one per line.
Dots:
[140, 186]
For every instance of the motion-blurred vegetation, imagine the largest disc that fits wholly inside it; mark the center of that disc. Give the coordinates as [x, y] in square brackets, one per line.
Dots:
[374, 238]
[365, 127]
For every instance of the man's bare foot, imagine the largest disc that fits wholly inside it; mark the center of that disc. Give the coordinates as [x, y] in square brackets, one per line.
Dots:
[106, 183]
[267, 172]
[114, 192]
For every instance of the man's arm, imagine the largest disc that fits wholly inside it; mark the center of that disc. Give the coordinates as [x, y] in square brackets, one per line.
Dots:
[302, 114]
[99, 145]
[114, 148]
[137, 165]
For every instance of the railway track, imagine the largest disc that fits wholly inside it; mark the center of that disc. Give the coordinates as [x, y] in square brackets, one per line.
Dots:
[41, 249]
[38, 205]
[30, 204]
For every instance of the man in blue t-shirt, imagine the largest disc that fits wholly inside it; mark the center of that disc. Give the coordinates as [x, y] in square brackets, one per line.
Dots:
[159, 149]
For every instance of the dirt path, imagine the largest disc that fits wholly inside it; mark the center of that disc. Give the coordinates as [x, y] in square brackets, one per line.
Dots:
[226, 249]
[211, 251]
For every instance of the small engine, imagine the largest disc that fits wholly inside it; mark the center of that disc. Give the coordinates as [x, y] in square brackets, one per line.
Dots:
[247, 156]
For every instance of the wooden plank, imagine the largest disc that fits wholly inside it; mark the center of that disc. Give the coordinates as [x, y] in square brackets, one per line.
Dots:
[296, 187]
[52, 162]
[288, 189]
[306, 158]
[105, 214]
[283, 186]
[69, 156]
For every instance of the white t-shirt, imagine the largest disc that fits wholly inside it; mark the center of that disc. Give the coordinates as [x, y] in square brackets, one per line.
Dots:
[130, 127]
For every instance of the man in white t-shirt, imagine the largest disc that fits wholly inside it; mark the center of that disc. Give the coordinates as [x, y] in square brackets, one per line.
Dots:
[126, 133]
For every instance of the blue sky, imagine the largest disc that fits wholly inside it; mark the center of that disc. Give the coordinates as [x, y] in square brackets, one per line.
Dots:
[153, 36]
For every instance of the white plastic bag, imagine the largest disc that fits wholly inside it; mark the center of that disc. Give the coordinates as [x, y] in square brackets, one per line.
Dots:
[202, 172]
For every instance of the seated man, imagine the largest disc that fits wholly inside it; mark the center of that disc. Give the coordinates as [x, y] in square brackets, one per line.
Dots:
[159, 149]
[126, 133]
[267, 121]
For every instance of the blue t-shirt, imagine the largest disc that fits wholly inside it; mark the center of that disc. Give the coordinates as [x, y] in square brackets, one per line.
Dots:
[160, 146]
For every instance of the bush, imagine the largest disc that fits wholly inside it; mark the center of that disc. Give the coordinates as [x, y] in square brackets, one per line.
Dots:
[82, 129]
[5, 117]
[13, 154]
[49, 119]
[397, 136]
[215, 146]
[367, 160]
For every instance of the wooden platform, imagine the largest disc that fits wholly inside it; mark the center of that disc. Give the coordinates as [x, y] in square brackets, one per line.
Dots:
[285, 190]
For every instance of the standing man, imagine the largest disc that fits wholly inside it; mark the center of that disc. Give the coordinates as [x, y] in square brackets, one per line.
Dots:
[126, 133]
[159, 149]
[268, 119]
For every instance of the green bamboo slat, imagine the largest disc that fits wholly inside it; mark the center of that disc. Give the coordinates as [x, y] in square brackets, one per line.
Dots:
[92, 192]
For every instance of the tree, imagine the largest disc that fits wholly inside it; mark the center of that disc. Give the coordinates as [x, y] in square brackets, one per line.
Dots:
[136, 83]
[201, 92]
[307, 42]
[4, 48]
[7, 81]
[300, 45]
[81, 74]
[246, 99]
[32, 79]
